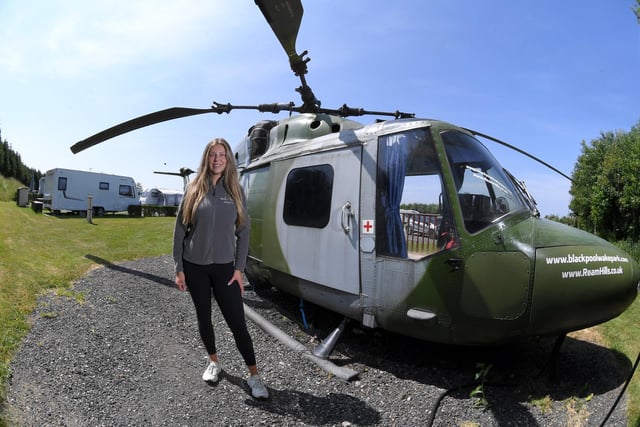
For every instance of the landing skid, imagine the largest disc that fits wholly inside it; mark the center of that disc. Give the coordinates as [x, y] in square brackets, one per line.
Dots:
[324, 349]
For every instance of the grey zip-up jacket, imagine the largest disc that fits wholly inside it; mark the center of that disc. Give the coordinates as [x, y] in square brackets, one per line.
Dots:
[213, 237]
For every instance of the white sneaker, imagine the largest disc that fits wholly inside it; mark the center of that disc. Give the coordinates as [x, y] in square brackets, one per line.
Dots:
[258, 390]
[211, 373]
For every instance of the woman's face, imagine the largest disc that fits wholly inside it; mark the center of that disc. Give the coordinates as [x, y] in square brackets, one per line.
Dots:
[217, 159]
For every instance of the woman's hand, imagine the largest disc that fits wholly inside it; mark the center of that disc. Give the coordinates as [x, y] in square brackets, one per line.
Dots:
[237, 277]
[180, 282]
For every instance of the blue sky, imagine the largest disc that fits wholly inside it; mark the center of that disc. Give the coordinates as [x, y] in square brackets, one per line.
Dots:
[542, 75]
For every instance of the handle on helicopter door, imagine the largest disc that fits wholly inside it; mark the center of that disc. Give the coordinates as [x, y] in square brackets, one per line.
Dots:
[454, 263]
[347, 214]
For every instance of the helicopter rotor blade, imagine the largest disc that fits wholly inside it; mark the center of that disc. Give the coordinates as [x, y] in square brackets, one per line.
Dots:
[531, 156]
[216, 107]
[183, 172]
[168, 173]
[284, 18]
[137, 123]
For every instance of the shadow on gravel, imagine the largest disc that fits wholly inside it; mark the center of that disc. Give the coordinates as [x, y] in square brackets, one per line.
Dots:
[515, 374]
[334, 409]
[108, 264]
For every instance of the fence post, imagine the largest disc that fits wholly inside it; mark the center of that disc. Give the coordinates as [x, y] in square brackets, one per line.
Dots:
[90, 209]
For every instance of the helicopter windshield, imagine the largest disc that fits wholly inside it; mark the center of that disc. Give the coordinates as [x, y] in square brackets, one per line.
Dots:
[485, 192]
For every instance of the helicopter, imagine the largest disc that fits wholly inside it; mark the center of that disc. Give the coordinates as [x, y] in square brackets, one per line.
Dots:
[183, 172]
[476, 265]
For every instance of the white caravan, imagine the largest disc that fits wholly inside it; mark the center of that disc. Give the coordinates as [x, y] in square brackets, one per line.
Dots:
[69, 190]
[161, 197]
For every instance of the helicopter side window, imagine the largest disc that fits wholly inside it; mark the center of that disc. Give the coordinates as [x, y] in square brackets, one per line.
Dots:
[307, 197]
[485, 193]
[409, 209]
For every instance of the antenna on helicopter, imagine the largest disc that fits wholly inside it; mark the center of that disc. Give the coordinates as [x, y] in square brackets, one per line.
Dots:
[531, 156]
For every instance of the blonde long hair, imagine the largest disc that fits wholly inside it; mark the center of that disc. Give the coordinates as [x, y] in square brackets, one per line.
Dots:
[198, 188]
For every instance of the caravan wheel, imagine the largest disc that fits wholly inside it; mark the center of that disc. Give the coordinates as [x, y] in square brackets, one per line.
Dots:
[98, 211]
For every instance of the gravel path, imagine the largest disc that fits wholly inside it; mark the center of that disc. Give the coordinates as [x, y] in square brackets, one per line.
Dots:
[123, 349]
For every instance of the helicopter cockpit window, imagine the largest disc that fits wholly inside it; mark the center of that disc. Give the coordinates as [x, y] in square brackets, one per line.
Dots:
[307, 197]
[410, 216]
[485, 192]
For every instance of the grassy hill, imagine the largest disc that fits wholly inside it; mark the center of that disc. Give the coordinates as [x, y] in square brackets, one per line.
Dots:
[8, 188]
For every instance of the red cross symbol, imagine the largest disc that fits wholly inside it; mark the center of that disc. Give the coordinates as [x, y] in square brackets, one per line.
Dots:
[367, 227]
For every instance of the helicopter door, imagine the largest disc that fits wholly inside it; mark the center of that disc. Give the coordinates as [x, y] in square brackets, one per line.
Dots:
[319, 234]
[413, 221]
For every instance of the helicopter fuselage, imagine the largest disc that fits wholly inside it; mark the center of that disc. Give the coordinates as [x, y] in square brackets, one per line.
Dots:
[412, 226]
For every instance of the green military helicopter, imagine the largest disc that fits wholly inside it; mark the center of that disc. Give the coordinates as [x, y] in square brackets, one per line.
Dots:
[475, 265]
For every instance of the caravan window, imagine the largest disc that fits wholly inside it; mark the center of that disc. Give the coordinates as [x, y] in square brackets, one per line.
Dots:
[104, 185]
[62, 183]
[126, 190]
[307, 197]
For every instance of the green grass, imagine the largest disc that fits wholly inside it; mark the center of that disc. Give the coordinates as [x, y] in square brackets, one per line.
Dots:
[621, 334]
[39, 252]
[8, 188]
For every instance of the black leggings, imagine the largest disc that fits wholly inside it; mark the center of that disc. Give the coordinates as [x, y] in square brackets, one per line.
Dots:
[201, 280]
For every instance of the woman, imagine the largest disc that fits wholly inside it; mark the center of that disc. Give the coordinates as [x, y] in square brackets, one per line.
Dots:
[210, 248]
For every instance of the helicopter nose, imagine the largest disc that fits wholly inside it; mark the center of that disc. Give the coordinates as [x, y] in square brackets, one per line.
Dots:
[580, 280]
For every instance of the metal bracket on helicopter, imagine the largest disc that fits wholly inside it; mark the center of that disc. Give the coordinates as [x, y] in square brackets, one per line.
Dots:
[343, 111]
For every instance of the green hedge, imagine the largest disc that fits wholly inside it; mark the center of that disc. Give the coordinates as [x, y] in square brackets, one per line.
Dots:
[152, 210]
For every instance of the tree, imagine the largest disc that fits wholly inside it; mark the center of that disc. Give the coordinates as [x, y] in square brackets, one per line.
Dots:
[3, 156]
[11, 165]
[606, 187]
[636, 10]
